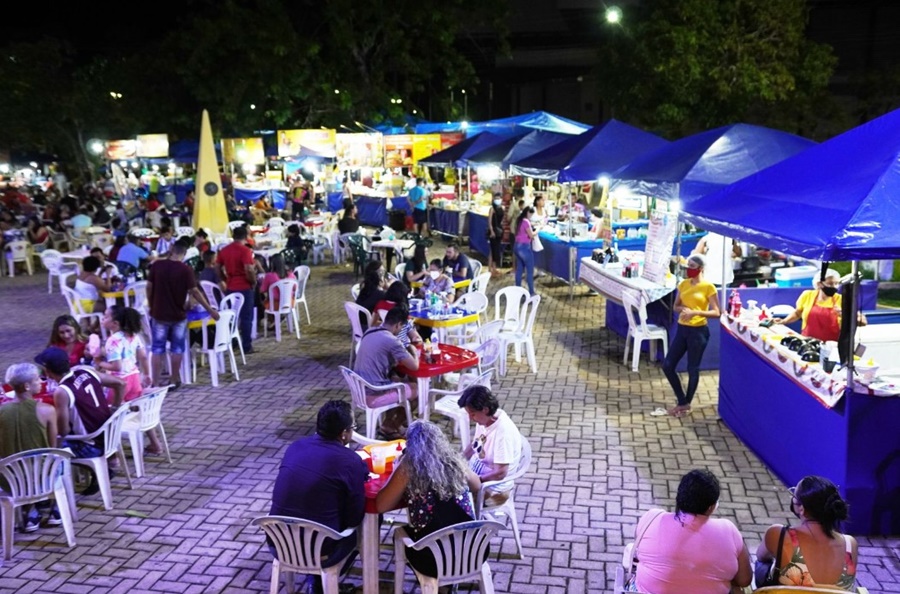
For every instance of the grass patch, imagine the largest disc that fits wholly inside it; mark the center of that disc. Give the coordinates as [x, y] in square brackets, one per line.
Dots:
[889, 298]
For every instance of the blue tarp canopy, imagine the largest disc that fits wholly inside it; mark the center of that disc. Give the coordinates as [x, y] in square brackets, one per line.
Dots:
[836, 201]
[517, 147]
[703, 163]
[599, 151]
[186, 151]
[537, 120]
[455, 155]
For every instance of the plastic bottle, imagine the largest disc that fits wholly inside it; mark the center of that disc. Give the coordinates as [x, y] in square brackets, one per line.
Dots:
[735, 304]
[763, 313]
[426, 350]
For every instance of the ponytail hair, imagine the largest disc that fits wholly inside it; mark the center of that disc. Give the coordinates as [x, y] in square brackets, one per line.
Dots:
[822, 503]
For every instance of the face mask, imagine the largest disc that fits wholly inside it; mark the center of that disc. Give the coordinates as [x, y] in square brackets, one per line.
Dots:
[497, 202]
[693, 272]
[794, 508]
[829, 291]
[435, 274]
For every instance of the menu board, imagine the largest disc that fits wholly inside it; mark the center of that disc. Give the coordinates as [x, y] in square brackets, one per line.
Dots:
[661, 234]
[358, 150]
[152, 145]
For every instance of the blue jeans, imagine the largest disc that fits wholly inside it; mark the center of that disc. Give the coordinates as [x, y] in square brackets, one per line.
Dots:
[245, 319]
[691, 340]
[525, 261]
[171, 332]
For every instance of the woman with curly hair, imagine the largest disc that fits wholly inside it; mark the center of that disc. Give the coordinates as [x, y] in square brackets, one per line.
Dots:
[436, 482]
[814, 553]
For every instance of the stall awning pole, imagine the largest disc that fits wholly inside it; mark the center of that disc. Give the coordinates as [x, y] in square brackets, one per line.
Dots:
[854, 313]
[571, 246]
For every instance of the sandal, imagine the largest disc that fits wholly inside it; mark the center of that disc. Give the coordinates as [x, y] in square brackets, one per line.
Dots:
[679, 413]
[659, 412]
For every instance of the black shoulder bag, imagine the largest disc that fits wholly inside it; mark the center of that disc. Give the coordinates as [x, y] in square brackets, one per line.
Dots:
[767, 573]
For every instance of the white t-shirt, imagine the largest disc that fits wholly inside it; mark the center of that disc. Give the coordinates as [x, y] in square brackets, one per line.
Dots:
[500, 443]
[715, 256]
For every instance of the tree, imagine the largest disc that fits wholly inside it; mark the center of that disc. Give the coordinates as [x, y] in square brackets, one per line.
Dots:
[689, 65]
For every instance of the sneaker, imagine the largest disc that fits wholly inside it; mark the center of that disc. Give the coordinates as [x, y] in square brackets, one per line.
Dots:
[32, 522]
[54, 519]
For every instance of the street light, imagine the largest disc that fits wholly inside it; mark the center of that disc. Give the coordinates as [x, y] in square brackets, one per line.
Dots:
[613, 15]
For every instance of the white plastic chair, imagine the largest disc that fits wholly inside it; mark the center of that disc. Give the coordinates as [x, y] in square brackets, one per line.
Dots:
[387, 396]
[476, 268]
[354, 291]
[342, 251]
[32, 476]
[135, 296]
[185, 232]
[232, 225]
[58, 239]
[102, 240]
[146, 418]
[282, 295]
[639, 330]
[234, 302]
[298, 549]
[18, 251]
[111, 433]
[76, 310]
[507, 508]
[226, 326]
[275, 222]
[56, 266]
[301, 275]
[472, 302]
[488, 353]
[353, 312]
[213, 292]
[522, 335]
[447, 405]
[480, 283]
[508, 303]
[460, 553]
[491, 329]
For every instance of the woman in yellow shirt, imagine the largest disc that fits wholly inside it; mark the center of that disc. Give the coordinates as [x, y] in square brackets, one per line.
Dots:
[695, 304]
[820, 309]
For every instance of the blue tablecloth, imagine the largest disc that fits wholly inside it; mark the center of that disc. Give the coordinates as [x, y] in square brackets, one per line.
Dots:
[444, 221]
[374, 212]
[660, 313]
[277, 198]
[554, 258]
[855, 444]
[478, 233]
[334, 201]
[180, 191]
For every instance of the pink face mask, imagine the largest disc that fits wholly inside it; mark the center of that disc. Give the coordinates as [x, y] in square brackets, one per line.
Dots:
[693, 272]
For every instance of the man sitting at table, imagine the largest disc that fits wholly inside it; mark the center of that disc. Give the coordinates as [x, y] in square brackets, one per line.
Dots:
[458, 262]
[132, 254]
[380, 350]
[81, 221]
[320, 479]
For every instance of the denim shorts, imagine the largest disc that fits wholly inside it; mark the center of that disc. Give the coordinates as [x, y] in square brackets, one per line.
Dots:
[171, 332]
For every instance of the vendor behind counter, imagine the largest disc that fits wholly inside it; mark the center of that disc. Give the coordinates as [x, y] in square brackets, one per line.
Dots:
[820, 309]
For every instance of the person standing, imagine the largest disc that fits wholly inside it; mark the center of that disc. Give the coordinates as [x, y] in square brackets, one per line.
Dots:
[524, 251]
[696, 302]
[418, 199]
[168, 286]
[713, 246]
[238, 268]
[322, 480]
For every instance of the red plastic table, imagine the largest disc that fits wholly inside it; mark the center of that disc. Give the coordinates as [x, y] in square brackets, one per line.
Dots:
[371, 531]
[451, 358]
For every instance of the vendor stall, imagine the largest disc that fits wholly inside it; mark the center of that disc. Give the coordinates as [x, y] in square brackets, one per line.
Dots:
[373, 209]
[847, 193]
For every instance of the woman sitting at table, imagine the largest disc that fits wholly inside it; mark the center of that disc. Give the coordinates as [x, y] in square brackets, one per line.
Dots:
[348, 223]
[820, 309]
[437, 485]
[688, 550]
[67, 335]
[371, 290]
[814, 553]
[89, 284]
[397, 294]
[277, 272]
[437, 281]
[37, 232]
[416, 269]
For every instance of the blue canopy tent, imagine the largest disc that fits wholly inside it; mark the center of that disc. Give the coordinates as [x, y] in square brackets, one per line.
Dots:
[455, 155]
[839, 200]
[517, 147]
[536, 120]
[439, 127]
[601, 150]
[702, 163]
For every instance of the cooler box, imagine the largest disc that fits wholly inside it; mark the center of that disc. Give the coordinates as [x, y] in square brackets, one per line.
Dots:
[796, 276]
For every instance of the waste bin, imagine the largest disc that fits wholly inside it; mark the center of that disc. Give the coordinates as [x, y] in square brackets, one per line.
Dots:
[397, 219]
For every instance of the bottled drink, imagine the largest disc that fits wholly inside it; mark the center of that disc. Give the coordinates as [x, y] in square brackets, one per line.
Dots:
[735, 304]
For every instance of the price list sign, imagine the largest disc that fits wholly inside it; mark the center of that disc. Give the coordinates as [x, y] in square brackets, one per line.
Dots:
[660, 239]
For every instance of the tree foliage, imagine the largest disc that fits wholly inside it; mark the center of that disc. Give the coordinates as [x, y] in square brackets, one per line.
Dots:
[688, 65]
[254, 64]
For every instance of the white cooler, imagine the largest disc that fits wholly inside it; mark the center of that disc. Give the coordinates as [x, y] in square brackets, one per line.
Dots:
[796, 276]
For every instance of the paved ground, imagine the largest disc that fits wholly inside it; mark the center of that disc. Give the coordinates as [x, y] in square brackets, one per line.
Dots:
[600, 460]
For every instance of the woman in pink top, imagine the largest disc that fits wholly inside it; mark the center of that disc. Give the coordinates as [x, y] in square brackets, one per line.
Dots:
[277, 272]
[524, 253]
[689, 551]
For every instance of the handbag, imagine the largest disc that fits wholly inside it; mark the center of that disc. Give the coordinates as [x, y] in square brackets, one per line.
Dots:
[626, 572]
[536, 244]
[766, 573]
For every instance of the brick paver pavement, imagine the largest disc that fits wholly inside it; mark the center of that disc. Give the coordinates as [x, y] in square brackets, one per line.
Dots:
[600, 460]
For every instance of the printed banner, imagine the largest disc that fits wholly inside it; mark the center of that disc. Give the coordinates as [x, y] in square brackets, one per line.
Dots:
[152, 146]
[425, 145]
[448, 139]
[240, 151]
[306, 143]
[398, 150]
[358, 150]
[120, 150]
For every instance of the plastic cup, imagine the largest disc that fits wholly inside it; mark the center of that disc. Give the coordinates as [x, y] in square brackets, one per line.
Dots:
[378, 461]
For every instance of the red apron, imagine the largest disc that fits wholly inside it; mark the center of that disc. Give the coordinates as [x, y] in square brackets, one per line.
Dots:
[821, 322]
